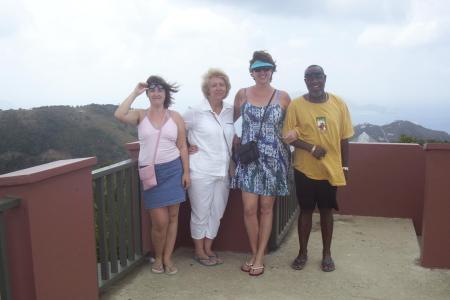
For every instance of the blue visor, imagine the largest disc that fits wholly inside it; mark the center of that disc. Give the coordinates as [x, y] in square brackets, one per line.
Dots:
[260, 64]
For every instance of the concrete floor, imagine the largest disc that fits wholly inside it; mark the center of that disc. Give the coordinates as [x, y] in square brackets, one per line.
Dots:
[376, 258]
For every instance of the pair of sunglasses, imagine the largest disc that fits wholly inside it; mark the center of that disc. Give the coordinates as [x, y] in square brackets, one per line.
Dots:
[311, 76]
[264, 69]
[153, 86]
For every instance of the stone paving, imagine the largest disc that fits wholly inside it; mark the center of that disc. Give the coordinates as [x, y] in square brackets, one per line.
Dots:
[376, 258]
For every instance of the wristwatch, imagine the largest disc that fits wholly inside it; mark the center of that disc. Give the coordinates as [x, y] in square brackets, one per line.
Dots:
[345, 169]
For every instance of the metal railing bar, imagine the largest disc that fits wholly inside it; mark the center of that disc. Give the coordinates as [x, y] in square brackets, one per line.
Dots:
[121, 204]
[112, 168]
[100, 194]
[136, 194]
[129, 202]
[112, 211]
[123, 271]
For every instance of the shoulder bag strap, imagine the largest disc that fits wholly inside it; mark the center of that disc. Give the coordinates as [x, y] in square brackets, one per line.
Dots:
[159, 135]
[264, 115]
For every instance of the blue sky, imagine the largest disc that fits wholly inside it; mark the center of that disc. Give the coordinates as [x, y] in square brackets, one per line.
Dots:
[388, 59]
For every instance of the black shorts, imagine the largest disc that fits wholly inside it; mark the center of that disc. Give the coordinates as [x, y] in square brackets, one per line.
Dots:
[312, 192]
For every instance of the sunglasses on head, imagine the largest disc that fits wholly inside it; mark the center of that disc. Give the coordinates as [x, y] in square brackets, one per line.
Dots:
[153, 86]
[264, 69]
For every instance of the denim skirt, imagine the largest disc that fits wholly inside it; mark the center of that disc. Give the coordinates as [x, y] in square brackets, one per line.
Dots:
[169, 190]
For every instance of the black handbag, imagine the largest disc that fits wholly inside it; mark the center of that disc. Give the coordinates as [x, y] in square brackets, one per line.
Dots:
[248, 152]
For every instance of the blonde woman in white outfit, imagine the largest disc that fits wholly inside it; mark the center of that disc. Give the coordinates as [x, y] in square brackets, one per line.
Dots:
[210, 134]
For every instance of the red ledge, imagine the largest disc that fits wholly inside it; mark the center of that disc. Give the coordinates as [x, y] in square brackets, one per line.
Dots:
[132, 146]
[388, 144]
[45, 171]
[428, 147]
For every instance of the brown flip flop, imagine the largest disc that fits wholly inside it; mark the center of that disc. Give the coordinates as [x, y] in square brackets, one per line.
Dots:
[299, 262]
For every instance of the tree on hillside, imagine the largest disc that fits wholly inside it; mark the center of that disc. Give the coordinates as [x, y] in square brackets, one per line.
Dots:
[406, 139]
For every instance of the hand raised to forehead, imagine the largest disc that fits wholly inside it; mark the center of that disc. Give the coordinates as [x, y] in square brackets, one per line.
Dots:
[140, 88]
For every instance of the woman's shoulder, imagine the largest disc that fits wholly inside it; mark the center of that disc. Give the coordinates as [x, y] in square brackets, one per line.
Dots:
[284, 99]
[242, 92]
[175, 116]
[141, 114]
[240, 97]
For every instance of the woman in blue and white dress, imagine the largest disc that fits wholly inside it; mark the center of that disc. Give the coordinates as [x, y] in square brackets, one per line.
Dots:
[263, 180]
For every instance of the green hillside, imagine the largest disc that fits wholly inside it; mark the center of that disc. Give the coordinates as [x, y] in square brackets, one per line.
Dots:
[40, 135]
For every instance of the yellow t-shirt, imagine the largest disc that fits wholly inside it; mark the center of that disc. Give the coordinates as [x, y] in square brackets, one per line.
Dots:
[324, 124]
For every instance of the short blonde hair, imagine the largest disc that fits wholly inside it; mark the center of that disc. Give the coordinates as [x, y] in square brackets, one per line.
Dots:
[215, 73]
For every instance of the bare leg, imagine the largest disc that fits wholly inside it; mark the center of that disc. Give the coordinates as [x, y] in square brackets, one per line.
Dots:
[250, 202]
[160, 222]
[208, 247]
[211, 254]
[326, 226]
[171, 234]
[200, 248]
[304, 230]
[265, 228]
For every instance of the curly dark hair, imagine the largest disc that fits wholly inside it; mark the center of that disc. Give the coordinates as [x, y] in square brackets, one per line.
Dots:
[264, 56]
[170, 88]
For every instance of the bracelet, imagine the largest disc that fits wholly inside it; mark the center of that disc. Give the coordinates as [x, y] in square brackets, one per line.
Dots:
[345, 168]
[313, 149]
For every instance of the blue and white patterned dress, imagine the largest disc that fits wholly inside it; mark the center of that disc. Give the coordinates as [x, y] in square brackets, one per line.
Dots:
[268, 175]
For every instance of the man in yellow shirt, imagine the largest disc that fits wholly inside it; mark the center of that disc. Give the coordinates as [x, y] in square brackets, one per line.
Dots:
[318, 125]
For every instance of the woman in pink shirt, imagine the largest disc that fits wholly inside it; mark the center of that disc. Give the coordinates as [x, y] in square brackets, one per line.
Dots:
[162, 139]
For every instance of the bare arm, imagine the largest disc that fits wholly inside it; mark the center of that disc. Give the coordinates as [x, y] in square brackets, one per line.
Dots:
[285, 100]
[317, 151]
[123, 112]
[344, 156]
[238, 99]
[344, 152]
[182, 146]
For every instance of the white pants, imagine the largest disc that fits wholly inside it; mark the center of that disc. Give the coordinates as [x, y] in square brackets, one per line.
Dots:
[208, 196]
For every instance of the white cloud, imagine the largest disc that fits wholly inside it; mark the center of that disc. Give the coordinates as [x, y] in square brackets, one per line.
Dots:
[77, 52]
[426, 22]
[412, 34]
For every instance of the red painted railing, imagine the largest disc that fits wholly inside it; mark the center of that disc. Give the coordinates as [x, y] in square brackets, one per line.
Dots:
[50, 237]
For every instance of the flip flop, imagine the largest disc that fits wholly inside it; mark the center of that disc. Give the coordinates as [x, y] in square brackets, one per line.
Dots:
[217, 259]
[207, 262]
[327, 264]
[157, 270]
[299, 262]
[253, 269]
[246, 267]
[171, 270]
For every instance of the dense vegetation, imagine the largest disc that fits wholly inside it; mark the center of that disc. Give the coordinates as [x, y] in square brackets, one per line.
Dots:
[44, 134]
[410, 139]
[30, 137]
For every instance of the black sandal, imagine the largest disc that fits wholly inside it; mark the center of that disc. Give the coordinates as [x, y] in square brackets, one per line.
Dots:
[299, 262]
[327, 264]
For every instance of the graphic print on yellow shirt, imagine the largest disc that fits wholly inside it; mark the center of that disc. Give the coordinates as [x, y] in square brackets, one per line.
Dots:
[321, 123]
